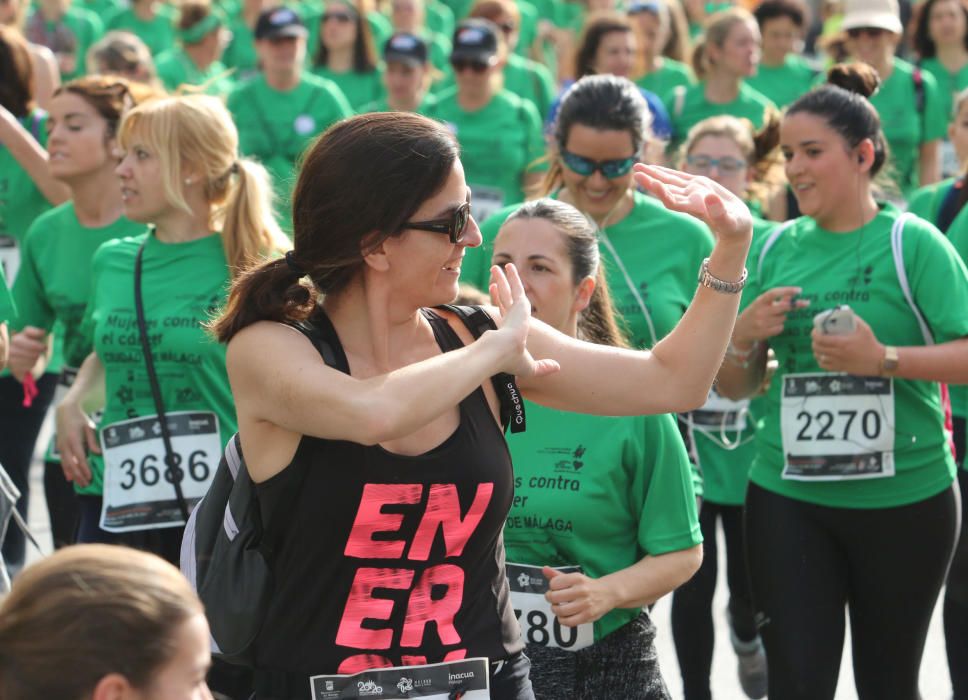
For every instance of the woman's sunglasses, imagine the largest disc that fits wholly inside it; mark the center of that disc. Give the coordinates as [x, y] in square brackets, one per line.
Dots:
[586, 167]
[454, 226]
[461, 64]
[872, 32]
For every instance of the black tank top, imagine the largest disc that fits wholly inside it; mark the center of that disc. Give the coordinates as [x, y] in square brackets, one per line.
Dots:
[383, 559]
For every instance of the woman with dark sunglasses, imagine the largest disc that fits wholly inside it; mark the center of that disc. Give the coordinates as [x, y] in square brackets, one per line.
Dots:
[396, 451]
[347, 54]
[499, 132]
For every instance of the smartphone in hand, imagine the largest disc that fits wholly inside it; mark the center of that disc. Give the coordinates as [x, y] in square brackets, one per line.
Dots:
[836, 321]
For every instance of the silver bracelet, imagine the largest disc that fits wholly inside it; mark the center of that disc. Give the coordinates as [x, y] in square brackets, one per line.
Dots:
[707, 279]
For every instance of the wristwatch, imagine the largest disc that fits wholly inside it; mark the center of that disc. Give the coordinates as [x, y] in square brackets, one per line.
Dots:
[707, 279]
[889, 361]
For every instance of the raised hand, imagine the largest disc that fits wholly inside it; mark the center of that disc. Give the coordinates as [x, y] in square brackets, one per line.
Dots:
[507, 293]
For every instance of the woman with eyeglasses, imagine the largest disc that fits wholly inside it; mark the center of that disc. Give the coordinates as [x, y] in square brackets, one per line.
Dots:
[347, 54]
[940, 40]
[864, 310]
[726, 150]
[660, 74]
[499, 133]
[405, 447]
[195, 61]
[612, 496]
[909, 100]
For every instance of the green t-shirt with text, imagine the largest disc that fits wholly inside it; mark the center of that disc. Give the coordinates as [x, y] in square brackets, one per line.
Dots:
[158, 33]
[599, 492]
[55, 274]
[667, 78]
[183, 285]
[785, 83]
[804, 429]
[498, 143]
[687, 106]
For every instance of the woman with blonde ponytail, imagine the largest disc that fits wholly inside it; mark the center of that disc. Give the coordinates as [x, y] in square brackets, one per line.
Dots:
[210, 217]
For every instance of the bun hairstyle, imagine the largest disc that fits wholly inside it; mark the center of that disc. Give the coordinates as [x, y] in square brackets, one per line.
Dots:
[402, 158]
[843, 103]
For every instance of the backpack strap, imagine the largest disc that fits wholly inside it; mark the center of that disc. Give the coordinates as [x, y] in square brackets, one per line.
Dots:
[897, 247]
[679, 103]
[319, 330]
[949, 207]
[918, 78]
[768, 243]
[478, 321]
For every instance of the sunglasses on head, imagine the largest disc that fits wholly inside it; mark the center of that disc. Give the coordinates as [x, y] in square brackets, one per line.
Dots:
[587, 167]
[455, 226]
[461, 64]
[341, 17]
[872, 32]
[704, 164]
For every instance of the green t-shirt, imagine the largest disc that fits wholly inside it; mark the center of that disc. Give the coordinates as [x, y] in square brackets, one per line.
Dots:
[358, 88]
[71, 36]
[101, 8]
[926, 201]
[785, 83]
[531, 81]
[905, 128]
[599, 492]
[176, 68]
[667, 78]
[240, 53]
[157, 33]
[857, 268]
[7, 308]
[183, 284]
[382, 105]
[276, 127]
[949, 84]
[20, 200]
[687, 106]
[439, 18]
[498, 144]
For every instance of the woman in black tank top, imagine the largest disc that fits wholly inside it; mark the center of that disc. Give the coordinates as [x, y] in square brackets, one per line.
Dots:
[382, 475]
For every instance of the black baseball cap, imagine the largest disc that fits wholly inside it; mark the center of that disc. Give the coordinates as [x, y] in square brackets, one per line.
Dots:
[475, 39]
[279, 22]
[405, 48]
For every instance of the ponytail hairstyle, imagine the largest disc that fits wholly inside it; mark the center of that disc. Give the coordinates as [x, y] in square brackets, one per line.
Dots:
[597, 26]
[88, 611]
[715, 33]
[196, 131]
[596, 323]
[843, 104]
[359, 183]
[760, 149]
[16, 67]
[603, 102]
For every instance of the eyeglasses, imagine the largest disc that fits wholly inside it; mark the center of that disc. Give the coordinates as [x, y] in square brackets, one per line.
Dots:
[611, 169]
[461, 64]
[341, 17]
[454, 226]
[872, 32]
[703, 164]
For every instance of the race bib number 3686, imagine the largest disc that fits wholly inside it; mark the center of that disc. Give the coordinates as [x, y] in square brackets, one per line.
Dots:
[539, 624]
[139, 492]
[837, 427]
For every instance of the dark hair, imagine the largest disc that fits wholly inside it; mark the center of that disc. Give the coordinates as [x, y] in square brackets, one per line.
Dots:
[357, 186]
[678, 47]
[364, 48]
[597, 26]
[16, 89]
[109, 95]
[795, 10]
[921, 38]
[843, 103]
[597, 323]
[603, 102]
[192, 12]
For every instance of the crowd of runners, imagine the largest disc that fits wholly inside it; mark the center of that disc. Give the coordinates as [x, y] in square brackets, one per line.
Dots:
[380, 319]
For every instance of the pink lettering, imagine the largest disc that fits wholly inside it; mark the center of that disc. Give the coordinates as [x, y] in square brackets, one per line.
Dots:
[361, 605]
[443, 512]
[363, 662]
[422, 609]
[370, 519]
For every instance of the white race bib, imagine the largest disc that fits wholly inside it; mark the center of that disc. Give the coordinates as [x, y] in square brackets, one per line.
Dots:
[485, 201]
[9, 258]
[138, 490]
[721, 414]
[837, 427]
[468, 679]
[539, 625]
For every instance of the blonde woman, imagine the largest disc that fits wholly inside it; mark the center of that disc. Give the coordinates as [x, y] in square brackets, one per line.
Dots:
[210, 217]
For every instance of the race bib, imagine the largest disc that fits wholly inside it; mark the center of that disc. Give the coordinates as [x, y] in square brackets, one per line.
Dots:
[9, 257]
[539, 625]
[485, 201]
[950, 167]
[139, 492]
[837, 427]
[468, 679]
[721, 414]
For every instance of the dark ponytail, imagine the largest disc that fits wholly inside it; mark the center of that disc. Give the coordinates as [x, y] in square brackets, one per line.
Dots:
[358, 184]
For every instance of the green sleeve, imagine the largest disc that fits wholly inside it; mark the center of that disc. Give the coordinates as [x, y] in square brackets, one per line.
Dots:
[925, 200]
[938, 279]
[661, 488]
[934, 125]
[340, 105]
[7, 309]
[33, 307]
[545, 88]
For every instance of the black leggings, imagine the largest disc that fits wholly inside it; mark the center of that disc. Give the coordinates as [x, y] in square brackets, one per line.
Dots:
[956, 593]
[808, 561]
[692, 603]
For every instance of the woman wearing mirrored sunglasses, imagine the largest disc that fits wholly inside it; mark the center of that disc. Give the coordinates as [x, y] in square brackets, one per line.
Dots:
[396, 453]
